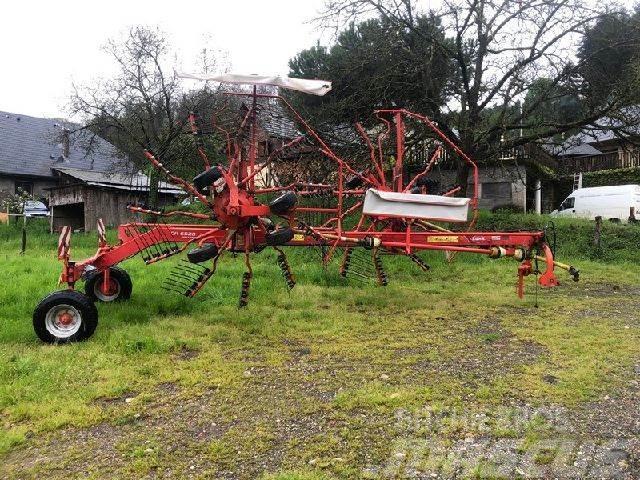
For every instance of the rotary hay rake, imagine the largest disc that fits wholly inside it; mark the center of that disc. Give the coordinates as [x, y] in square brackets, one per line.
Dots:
[371, 206]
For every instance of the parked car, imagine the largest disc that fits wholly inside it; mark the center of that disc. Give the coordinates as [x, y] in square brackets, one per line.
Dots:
[33, 208]
[610, 203]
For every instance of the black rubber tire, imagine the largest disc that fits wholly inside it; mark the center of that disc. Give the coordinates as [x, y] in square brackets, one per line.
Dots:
[282, 204]
[353, 182]
[279, 237]
[268, 224]
[203, 180]
[203, 253]
[118, 275]
[80, 302]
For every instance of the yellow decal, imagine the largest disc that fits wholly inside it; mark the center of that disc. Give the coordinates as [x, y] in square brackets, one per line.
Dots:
[443, 239]
[298, 237]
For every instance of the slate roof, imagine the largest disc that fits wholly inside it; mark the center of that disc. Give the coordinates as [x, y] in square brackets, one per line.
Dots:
[136, 182]
[587, 141]
[573, 150]
[33, 146]
[275, 120]
[599, 135]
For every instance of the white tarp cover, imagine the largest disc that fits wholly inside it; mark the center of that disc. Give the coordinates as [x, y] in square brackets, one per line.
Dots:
[411, 205]
[315, 87]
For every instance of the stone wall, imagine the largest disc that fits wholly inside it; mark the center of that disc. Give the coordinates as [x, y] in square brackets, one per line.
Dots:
[498, 186]
[8, 186]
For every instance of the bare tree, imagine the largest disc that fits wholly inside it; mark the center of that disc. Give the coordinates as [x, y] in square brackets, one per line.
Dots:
[500, 49]
[143, 106]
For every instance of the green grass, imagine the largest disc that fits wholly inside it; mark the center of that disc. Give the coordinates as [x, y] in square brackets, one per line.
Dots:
[574, 237]
[437, 339]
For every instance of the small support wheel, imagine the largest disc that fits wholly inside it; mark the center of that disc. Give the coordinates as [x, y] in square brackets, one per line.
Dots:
[282, 204]
[203, 181]
[203, 253]
[65, 316]
[279, 237]
[118, 288]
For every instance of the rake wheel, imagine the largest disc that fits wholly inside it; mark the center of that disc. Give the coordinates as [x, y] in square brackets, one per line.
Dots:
[119, 286]
[65, 316]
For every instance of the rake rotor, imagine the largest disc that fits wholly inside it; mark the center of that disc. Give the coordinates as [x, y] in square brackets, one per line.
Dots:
[281, 184]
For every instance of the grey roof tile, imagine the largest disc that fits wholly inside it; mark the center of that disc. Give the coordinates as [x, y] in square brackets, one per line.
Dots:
[136, 181]
[578, 150]
[32, 146]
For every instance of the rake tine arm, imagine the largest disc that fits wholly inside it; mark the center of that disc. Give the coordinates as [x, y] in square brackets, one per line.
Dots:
[344, 214]
[230, 144]
[198, 140]
[267, 162]
[208, 273]
[246, 282]
[382, 137]
[285, 268]
[199, 283]
[201, 216]
[346, 262]
[377, 263]
[134, 237]
[418, 261]
[453, 191]
[431, 226]
[187, 186]
[372, 155]
[427, 169]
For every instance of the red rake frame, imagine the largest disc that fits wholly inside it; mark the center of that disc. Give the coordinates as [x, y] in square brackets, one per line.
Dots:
[243, 226]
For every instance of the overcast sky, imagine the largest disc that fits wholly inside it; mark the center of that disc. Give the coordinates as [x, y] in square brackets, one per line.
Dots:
[45, 45]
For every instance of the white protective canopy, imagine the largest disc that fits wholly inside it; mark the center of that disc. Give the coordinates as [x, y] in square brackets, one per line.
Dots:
[412, 205]
[314, 87]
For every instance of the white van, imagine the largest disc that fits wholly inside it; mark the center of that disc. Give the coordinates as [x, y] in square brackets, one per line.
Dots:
[610, 203]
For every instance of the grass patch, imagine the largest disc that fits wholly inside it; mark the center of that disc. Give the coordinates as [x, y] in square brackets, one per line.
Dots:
[310, 375]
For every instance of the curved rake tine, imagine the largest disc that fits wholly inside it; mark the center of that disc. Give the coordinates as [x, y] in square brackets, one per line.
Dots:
[285, 269]
[246, 283]
[346, 262]
[418, 261]
[198, 139]
[377, 263]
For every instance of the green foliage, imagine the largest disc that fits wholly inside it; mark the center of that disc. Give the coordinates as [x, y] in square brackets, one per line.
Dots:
[574, 236]
[550, 102]
[610, 52]
[14, 203]
[375, 64]
[620, 176]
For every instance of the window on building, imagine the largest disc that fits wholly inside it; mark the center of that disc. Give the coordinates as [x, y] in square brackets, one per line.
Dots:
[24, 187]
[496, 191]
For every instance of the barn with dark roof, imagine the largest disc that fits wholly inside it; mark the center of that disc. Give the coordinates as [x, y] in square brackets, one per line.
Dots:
[31, 148]
[80, 176]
